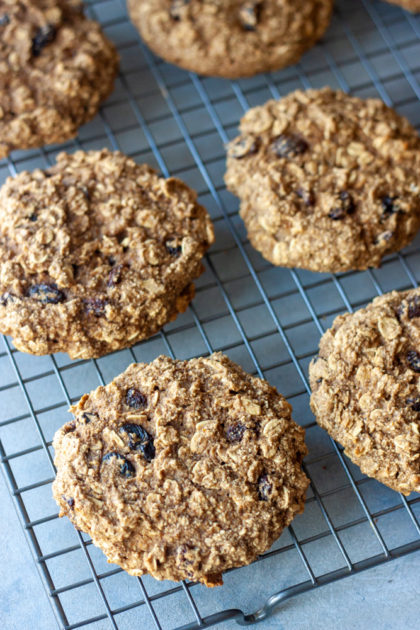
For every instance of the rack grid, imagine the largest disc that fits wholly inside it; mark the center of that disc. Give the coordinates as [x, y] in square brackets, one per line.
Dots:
[267, 319]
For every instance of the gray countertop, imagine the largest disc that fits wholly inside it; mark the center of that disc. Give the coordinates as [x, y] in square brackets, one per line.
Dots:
[180, 123]
[383, 598]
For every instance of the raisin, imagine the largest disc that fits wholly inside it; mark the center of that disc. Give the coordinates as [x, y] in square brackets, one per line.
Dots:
[388, 206]
[182, 553]
[88, 417]
[69, 427]
[307, 196]
[413, 359]
[33, 217]
[175, 10]
[46, 293]
[4, 19]
[135, 399]
[70, 502]
[344, 206]
[85, 191]
[243, 147]
[249, 15]
[265, 488]
[235, 432]
[44, 36]
[115, 276]
[336, 214]
[414, 403]
[173, 250]
[413, 309]
[139, 439]
[126, 467]
[147, 449]
[5, 298]
[75, 269]
[288, 145]
[95, 306]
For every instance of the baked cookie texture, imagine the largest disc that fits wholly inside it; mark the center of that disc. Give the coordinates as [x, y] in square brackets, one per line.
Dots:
[56, 67]
[366, 388]
[410, 5]
[327, 181]
[231, 38]
[96, 254]
[181, 469]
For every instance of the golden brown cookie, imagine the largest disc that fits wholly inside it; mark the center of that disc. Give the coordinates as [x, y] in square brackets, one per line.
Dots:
[181, 469]
[56, 67]
[366, 388]
[327, 181]
[410, 5]
[96, 253]
[231, 38]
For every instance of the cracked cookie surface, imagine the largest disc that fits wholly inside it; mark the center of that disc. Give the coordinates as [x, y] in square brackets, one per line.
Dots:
[327, 182]
[56, 67]
[366, 388]
[181, 469]
[231, 38]
[97, 253]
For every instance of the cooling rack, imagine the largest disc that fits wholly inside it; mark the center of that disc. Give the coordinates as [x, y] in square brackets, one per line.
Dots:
[267, 319]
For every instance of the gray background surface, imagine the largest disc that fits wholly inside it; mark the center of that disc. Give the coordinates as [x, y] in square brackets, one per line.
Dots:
[267, 319]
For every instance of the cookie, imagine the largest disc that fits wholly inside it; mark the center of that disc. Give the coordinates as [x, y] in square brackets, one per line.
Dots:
[56, 67]
[96, 253]
[366, 388]
[181, 469]
[409, 5]
[327, 181]
[231, 38]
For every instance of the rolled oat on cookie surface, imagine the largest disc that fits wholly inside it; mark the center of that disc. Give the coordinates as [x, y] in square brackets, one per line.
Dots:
[181, 469]
[57, 67]
[97, 253]
[326, 181]
[231, 38]
[366, 388]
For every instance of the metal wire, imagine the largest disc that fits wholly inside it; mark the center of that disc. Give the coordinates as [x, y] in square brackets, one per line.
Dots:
[268, 319]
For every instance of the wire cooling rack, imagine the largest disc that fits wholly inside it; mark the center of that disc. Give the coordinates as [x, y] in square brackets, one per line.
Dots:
[267, 319]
